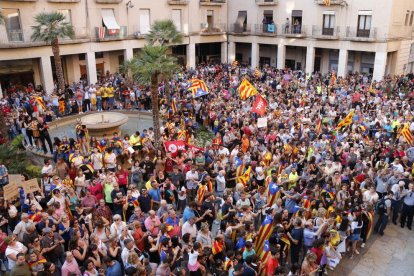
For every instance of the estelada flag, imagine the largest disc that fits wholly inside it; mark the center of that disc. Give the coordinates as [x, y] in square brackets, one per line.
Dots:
[246, 90]
[259, 105]
[405, 131]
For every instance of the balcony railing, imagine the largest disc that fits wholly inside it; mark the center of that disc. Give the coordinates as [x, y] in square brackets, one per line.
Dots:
[333, 2]
[353, 33]
[103, 34]
[240, 29]
[178, 2]
[265, 29]
[22, 37]
[267, 2]
[212, 29]
[212, 2]
[293, 30]
[325, 33]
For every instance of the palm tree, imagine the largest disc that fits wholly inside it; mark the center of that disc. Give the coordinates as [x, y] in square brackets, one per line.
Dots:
[150, 67]
[50, 27]
[155, 64]
[163, 32]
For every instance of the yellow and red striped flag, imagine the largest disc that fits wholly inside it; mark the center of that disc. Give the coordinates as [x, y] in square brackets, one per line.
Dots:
[174, 106]
[264, 233]
[327, 2]
[346, 121]
[218, 247]
[245, 177]
[406, 132]
[246, 90]
[40, 102]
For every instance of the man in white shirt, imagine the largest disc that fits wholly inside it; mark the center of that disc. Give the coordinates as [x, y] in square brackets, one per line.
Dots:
[128, 248]
[20, 228]
[190, 227]
[191, 178]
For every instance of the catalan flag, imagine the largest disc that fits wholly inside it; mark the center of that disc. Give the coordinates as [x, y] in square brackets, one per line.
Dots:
[264, 233]
[327, 2]
[273, 193]
[264, 256]
[406, 132]
[319, 126]
[39, 101]
[198, 88]
[62, 107]
[174, 105]
[333, 78]
[217, 248]
[245, 177]
[246, 90]
[346, 121]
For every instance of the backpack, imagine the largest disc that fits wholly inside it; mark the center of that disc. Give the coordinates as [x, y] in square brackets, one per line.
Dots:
[380, 207]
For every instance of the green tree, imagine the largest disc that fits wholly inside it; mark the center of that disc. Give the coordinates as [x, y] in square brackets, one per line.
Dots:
[150, 67]
[155, 64]
[50, 27]
[3, 126]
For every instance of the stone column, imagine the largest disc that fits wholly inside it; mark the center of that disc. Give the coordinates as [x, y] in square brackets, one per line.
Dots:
[281, 56]
[91, 67]
[379, 65]
[223, 52]
[342, 63]
[255, 55]
[47, 75]
[310, 59]
[128, 54]
[191, 58]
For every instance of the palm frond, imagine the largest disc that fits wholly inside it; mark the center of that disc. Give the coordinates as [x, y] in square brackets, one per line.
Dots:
[51, 26]
[164, 32]
[152, 60]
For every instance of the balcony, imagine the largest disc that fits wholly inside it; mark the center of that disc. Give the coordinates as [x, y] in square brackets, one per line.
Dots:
[267, 2]
[212, 29]
[354, 34]
[108, 1]
[63, 1]
[333, 2]
[178, 2]
[103, 34]
[212, 2]
[22, 38]
[237, 29]
[298, 31]
[319, 32]
[265, 29]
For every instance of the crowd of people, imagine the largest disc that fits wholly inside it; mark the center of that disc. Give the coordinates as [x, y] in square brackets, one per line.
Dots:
[293, 197]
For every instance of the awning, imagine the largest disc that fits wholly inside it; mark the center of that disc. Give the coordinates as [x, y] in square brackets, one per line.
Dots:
[296, 13]
[267, 12]
[109, 20]
[364, 12]
[241, 17]
[329, 12]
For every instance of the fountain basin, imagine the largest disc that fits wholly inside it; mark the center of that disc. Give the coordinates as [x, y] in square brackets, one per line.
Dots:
[99, 124]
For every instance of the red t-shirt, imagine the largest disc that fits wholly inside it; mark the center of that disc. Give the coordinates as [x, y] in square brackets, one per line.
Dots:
[319, 254]
[122, 178]
[96, 191]
[271, 266]
[169, 165]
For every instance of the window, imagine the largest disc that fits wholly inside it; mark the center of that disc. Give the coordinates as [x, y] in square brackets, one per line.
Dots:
[176, 18]
[411, 18]
[407, 16]
[67, 14]
[268, 24]
[13, 26]
[144, 21]
[210, 19]
[364, 23]
[241, 22]
[328, 23]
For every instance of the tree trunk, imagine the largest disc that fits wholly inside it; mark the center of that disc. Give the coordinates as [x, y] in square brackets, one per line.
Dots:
[155, 111]
[58, 66]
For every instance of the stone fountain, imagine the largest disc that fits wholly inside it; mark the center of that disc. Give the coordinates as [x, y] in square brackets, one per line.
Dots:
[99, 124]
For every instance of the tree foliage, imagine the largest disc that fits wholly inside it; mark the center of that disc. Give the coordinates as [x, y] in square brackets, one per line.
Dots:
[162, 33]
[51, 26]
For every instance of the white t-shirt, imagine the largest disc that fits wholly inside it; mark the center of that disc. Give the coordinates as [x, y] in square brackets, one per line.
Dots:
[188, 228]
[47, 170]
[16, 249]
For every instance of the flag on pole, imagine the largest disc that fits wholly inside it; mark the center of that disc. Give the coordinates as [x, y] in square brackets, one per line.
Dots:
[264, 233]
[245, 177]
[198, 88]
[39, 101]
[174, 105]
[246, 90]
[406, 132]
[259, 105]
[346, 121]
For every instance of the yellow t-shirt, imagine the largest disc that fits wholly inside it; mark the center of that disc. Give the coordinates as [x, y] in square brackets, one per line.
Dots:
[110, 91]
